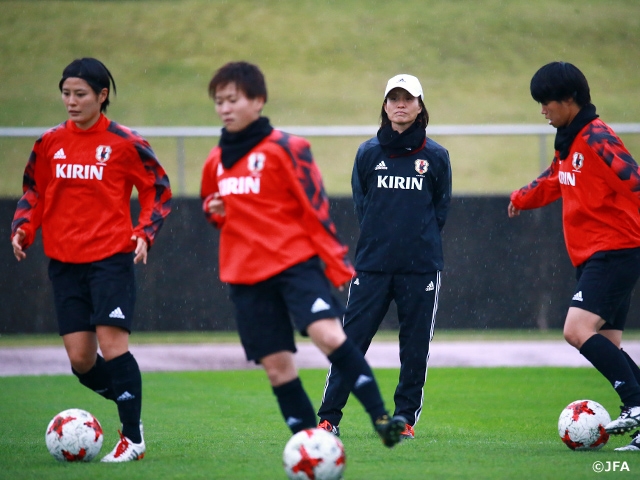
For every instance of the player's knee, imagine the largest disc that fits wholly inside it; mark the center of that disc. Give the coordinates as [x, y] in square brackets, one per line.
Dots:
[333, 343]
[574, 337]
[569, 338]
[281, 376]
[280, 368]
[276, 378]
[81, 362]
[327, 335]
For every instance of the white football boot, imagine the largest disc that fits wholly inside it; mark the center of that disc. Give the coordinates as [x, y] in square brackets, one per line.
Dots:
[125, 450]
[628, 420]
[634, 446]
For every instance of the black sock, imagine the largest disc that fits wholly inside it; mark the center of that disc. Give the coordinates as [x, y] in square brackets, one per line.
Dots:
[97, 379]
[612, 364]
[127, 387]
[295, 405]
[632, 365]
[356, 373]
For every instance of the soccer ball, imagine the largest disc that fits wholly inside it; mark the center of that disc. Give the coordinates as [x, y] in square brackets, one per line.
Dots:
[74, 435]
[581, 425]
[314, 454]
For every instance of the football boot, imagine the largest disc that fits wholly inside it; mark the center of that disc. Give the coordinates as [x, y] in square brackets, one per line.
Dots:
[326, 425]
[408, 432]
[628, 420]
[390, 429]
[634, 446]
[126, 451]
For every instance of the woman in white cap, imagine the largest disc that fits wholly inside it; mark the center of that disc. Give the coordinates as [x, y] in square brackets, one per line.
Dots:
[401, 184]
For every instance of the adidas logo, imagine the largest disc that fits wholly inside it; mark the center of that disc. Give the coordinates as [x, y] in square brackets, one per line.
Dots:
[362, 380]
[291, 421]
[125, 396]
[381, 166]
[59, 155]
[578, 297]
[319, 305]
[117, 313]
[430, 287]
[356, 281]
[617, 384]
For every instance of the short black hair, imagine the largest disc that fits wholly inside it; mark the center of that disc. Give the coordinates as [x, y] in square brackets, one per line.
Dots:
[92, 71]
[246, 76]
[558, 81]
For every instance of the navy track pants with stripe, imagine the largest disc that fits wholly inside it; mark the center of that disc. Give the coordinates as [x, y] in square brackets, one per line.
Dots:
[370, 295]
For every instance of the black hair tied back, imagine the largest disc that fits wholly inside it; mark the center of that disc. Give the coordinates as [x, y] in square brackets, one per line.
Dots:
[92, 71]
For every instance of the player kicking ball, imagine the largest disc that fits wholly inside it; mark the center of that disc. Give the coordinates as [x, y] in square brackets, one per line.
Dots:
[262, 189]
[599, 184]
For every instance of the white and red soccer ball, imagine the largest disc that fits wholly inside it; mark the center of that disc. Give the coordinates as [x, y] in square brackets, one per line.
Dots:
[74, 435]
[314, 454]
[581, 425]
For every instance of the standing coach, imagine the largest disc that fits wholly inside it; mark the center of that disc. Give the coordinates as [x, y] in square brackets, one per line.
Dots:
[401, 186]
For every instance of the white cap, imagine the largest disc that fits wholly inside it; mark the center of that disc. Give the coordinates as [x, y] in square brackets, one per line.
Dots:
[407, 82]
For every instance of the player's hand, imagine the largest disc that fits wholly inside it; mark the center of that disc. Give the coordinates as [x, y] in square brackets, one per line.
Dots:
[216, 205]
[512, 211]
[16, 243]
[141, 250]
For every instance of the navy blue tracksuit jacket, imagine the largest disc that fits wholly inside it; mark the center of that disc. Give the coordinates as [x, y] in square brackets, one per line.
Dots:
[395, 236]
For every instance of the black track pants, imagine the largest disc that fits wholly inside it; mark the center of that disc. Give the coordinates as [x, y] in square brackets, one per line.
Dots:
[370, 294]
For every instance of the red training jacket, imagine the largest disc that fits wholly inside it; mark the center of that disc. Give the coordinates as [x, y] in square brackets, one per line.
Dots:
[599, 183]
[77, 186]
[276, 212]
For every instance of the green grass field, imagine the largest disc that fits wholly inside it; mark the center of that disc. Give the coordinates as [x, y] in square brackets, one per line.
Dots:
[478, 423]
[326, 63]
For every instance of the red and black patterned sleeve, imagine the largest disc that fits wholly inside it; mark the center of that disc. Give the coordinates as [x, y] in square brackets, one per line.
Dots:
[542, 191]
[152, 183]
[608, 146]
[320, 225]
[28, 214]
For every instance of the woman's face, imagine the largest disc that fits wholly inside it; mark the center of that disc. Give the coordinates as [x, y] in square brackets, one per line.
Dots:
[559, 114]
[235, 110]
[82, 103]
[402, 108]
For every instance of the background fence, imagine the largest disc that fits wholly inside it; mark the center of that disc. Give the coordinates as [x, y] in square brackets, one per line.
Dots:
[181, 133]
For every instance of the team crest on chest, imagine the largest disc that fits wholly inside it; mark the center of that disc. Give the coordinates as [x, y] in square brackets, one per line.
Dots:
[256, 162]
[421, 166]
[103, 153]
[577, 161]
